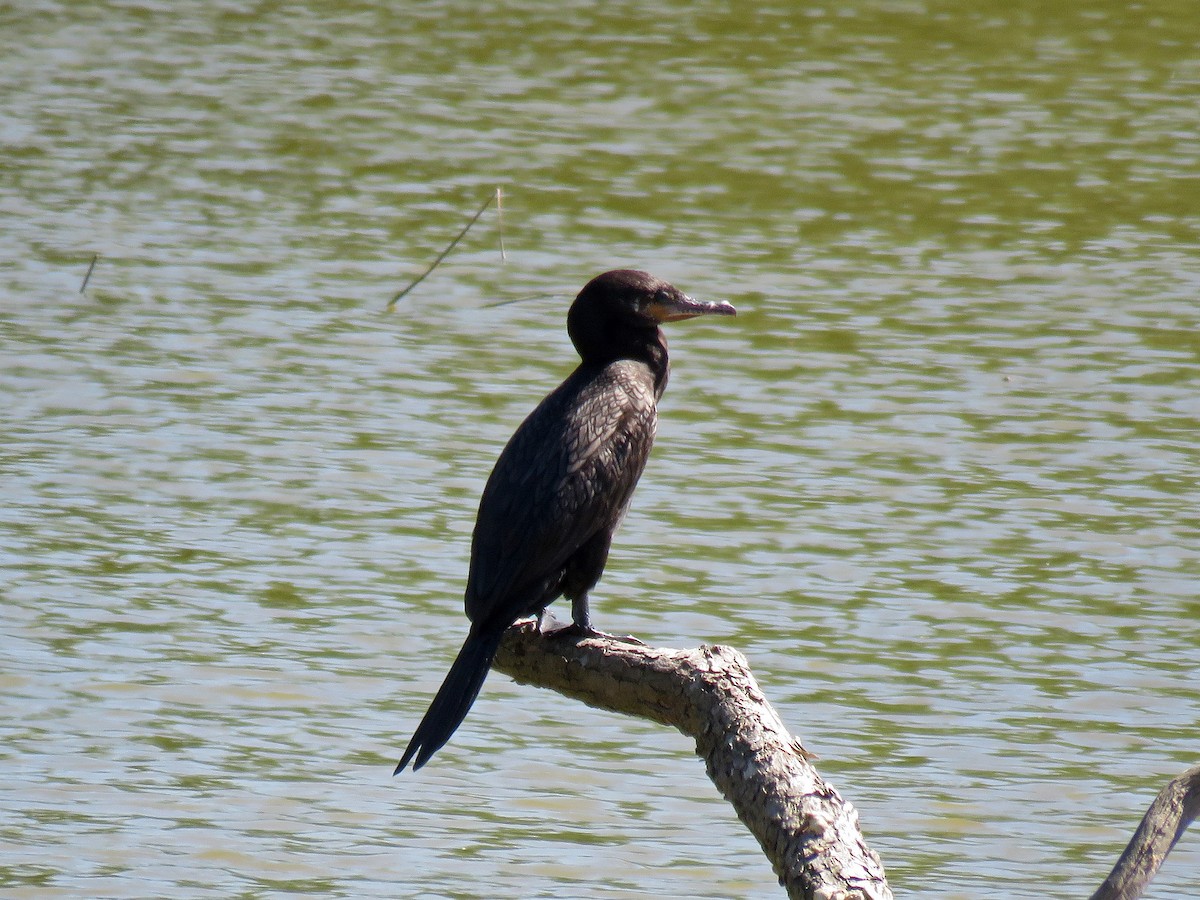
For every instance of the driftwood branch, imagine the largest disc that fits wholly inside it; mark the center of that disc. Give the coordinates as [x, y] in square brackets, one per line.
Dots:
[1173, 810]
[808, 832]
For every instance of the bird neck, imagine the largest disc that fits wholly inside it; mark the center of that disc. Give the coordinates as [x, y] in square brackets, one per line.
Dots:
[660, 365]
[644, 345]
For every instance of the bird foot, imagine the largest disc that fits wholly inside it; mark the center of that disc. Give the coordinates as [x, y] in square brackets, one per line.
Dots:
[549, 625]
[583, 632]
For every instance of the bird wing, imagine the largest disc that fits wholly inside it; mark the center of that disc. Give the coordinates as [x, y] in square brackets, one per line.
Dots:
[566, 474]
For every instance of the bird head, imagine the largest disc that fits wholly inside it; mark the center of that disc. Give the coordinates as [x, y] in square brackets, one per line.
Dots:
[628, 299]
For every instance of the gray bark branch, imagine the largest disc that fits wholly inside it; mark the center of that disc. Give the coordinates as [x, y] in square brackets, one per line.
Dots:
[808, 832]
[1173, 810]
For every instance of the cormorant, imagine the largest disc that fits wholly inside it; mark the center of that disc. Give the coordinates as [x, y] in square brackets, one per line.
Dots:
[563, 483]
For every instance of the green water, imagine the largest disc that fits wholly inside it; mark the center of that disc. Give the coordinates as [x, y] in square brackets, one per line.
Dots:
[938, 480]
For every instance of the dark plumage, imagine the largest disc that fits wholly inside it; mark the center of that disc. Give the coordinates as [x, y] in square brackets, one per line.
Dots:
[562, 484]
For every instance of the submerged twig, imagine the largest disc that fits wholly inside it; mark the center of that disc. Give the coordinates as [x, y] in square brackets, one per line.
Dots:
[513, 300]
[87, 277]
[475, 218]
[500, 225]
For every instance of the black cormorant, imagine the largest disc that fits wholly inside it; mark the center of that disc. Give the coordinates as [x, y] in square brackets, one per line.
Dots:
[562, 484]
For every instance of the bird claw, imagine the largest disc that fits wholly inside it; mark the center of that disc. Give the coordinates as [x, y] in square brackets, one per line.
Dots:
[575, 630]
[584, 632]
[548, 625]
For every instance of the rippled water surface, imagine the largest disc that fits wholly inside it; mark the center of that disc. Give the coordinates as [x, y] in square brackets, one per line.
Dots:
[938, 480]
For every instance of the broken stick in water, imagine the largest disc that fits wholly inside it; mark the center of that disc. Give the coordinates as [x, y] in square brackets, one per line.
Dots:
[475, 218]
[87, 277]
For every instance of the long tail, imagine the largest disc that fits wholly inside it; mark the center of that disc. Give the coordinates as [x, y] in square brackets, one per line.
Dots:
[454, 698]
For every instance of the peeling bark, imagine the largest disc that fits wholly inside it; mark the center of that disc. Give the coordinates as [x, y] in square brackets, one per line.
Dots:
[808, 832]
